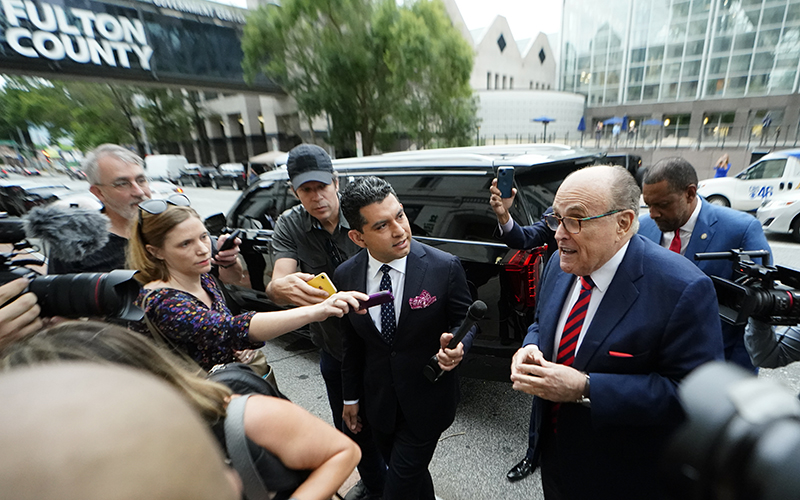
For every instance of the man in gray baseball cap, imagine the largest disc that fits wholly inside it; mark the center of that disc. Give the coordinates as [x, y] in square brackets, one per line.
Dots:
[309, 239]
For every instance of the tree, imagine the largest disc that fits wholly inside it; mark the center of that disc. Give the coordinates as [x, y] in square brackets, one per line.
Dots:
[372, 66]
[168, 119]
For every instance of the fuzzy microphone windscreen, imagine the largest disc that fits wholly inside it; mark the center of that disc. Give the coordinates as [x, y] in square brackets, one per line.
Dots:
[70, 233]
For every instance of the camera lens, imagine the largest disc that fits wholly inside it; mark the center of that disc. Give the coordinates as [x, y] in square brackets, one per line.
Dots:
[88, 294]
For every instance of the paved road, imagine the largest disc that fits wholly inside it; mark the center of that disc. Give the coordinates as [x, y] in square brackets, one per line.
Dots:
[490, 431]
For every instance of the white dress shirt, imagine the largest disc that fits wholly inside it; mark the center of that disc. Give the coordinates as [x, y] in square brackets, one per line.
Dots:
[374, 276]
[602, 280]
[686, 230]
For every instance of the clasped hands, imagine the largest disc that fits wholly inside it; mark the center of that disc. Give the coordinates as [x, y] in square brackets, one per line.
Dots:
[533, 374]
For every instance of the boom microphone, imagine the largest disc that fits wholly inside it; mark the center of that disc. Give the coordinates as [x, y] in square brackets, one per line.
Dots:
[476, 312]
[70, 233]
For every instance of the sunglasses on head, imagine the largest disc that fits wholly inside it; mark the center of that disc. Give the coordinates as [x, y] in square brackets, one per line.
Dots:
[155, 207]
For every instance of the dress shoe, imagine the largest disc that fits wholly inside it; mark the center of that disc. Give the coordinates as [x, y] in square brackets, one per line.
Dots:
[360, 492]
[521, 470]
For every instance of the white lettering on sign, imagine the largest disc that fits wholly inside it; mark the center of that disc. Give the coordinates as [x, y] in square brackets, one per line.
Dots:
[55, 33]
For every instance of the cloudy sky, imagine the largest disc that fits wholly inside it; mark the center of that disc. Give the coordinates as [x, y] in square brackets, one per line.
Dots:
[526, 17]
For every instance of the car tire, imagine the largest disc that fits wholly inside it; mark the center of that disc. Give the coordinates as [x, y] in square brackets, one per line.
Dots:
[195, 183]
[181, 182]
[796, 229]
[214, 184]
[720, 201]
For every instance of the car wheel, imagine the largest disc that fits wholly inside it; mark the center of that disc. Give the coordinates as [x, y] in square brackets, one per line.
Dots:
[719, 201]
[195, 183]
[796, 229]
[181, 182]
[214, 184]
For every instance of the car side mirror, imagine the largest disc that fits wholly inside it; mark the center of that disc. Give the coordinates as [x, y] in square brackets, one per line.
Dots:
[216, 223]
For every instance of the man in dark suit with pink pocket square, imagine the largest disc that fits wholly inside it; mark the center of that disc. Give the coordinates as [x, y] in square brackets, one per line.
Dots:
[386, 350]
[620, 321]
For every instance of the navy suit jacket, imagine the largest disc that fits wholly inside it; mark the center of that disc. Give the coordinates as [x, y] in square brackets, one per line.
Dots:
[385, 378]
[527, 237]
[656, 323]
[719, 229]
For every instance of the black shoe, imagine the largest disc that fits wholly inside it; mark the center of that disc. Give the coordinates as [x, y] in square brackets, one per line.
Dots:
[521, 470]
[360, 492]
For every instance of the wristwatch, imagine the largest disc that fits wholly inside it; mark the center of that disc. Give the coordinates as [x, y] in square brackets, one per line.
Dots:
[586, 394]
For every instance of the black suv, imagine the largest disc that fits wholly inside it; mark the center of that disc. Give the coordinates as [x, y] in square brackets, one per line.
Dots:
[194, 174]
[446, 198]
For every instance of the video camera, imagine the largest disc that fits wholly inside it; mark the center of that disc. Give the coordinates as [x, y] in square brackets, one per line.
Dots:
[754, 292]
[108, 295]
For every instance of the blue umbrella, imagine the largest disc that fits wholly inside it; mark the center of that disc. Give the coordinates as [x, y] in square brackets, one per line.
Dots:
[582, 125]
[545, 120]
[613, 121]
[652, 121]
[625, 123]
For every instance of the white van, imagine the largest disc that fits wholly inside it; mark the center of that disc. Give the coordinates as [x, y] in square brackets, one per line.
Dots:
[165, 167]
[773, 174]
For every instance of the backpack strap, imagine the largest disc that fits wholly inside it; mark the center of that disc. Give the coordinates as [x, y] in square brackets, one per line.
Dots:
[236, 442]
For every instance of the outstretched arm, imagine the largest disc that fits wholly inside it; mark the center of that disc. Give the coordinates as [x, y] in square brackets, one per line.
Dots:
[302, 442]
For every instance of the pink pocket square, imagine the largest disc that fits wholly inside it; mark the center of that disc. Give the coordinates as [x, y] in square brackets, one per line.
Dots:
[422, 301]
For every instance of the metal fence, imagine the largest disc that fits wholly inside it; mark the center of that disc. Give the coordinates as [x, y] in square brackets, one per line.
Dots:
[655, 137]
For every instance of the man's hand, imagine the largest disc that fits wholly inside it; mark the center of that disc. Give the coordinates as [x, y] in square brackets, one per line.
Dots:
[533, 374]
[501, 205]
[293, 289]
[20, 317]
[449, 358]
[351, 418]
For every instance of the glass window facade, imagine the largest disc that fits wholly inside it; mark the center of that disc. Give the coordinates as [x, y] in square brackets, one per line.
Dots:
[632, 51]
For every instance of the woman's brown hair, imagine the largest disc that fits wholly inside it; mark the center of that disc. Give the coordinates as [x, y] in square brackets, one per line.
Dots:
[110, 344]
[152, 230]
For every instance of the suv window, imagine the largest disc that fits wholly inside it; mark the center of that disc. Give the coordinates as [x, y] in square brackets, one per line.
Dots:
[538, 187]
[264, 205]
[449, 205]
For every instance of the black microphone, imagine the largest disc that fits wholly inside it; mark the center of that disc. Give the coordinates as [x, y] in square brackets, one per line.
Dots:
[476, 312]
[70, 233]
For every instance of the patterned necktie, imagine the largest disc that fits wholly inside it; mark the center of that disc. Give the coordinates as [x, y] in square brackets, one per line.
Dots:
[388, 321]
[574, 324]
[572, 330]
[675, 246]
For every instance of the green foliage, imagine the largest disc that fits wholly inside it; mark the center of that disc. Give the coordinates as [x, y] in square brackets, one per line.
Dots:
[371, 65]
[168, 119]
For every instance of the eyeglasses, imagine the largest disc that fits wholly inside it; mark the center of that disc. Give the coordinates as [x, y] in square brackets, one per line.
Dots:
[572, 224]
[125, 184]
[155, 207]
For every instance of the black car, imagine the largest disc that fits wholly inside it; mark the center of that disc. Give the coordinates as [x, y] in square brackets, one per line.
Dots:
[446, 198]
[194, 174]
[230, 174]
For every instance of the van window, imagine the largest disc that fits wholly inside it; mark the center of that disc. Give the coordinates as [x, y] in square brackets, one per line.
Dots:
[767, 169]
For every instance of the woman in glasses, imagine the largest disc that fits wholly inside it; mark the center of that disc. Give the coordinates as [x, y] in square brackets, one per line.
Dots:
[171, 248]
[301, 441]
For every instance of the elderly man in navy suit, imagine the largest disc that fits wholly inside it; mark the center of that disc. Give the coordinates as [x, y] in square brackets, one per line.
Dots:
[680, 220]
[386, 350]
[620, 322]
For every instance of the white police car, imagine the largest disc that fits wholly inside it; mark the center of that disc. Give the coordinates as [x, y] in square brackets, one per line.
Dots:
[775, 173]
[781, 214]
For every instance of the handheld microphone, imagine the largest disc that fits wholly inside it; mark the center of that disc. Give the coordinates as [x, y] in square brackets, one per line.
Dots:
[476, 312]
[70, 233]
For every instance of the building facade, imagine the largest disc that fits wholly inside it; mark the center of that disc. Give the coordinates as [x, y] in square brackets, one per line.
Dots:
[701, 68]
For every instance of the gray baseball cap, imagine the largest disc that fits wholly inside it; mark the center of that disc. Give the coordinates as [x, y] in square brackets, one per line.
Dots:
[309, 162]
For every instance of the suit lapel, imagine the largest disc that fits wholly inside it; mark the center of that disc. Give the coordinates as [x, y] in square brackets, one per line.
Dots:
[706, 220]
[619, 297]
[416, 266]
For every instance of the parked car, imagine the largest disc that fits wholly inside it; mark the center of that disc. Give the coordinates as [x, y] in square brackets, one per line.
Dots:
[17, 198]
[194, 174]
[781, 214]
[771, 175]
[446, 198]
[164, 167]
[230, 174]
